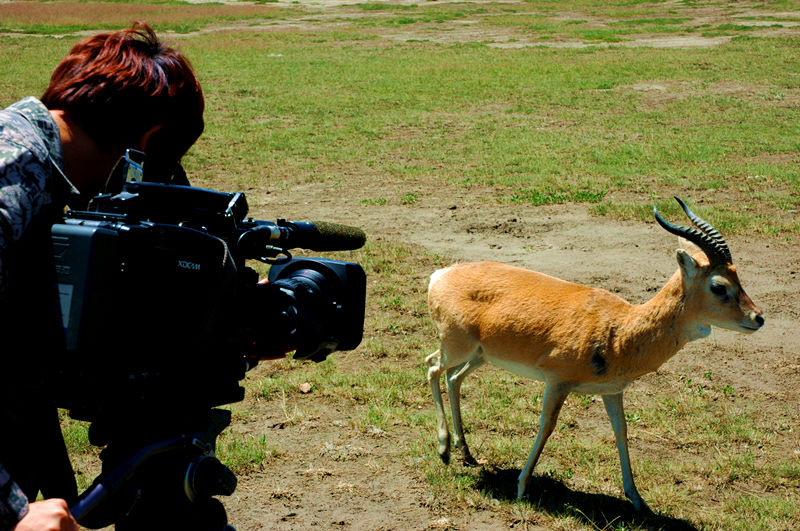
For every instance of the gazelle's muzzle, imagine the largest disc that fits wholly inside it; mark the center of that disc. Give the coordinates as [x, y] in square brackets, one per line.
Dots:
[754, 322]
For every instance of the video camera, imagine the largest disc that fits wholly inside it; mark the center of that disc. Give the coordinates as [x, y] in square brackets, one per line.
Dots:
[163, 317]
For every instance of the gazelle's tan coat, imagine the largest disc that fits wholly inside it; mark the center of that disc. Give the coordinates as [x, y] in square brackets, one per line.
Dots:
[574, 338]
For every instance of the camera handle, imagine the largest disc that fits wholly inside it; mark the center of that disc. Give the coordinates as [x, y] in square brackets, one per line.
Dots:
[205, 477]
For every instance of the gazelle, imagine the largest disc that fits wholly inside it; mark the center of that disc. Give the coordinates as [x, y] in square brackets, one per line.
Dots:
[577, 338]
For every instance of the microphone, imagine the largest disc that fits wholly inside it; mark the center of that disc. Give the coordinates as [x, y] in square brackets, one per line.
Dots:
[334, 237]
[312, 235]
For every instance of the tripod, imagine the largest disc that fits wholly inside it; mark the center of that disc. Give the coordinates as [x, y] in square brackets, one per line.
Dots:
[151, 481]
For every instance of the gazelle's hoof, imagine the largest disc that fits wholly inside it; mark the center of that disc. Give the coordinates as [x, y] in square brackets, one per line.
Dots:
[444, 454]
[640, 506]
[468, 460]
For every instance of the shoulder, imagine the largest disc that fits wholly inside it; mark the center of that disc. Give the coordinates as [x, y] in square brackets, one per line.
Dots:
[29, 140]
[27, 126]
[25, 164]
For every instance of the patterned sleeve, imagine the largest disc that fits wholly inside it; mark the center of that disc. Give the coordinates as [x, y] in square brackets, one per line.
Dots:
[23, 179]
[13, 503]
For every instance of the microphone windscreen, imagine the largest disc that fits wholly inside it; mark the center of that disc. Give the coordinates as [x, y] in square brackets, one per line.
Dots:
[335, 237]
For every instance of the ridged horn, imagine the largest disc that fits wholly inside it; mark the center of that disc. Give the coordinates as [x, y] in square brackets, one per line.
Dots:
[706, 227]
[705, 236]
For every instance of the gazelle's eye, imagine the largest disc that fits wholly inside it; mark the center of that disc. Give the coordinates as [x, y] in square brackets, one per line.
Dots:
[718, 289]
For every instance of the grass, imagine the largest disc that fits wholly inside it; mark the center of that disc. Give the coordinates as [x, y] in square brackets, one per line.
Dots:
[244, 454]
[727, 218]
[69, 17]
[616, 127]
[516, 120]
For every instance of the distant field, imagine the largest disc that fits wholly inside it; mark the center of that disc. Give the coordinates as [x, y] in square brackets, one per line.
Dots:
[571, 120]
[386, 113]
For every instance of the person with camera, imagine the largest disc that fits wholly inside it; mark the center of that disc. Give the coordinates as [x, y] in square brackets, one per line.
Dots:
[112, 93]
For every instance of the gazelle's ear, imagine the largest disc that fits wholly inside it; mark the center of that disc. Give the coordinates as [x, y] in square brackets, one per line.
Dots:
[689, 246]
[687, 264]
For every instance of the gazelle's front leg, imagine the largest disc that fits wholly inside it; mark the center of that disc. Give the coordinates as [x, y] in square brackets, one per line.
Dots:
[616, 413]
[554, 396]
[454, 378]
[435, 370]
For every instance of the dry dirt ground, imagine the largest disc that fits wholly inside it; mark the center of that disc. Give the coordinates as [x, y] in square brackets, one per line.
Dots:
[341, 478]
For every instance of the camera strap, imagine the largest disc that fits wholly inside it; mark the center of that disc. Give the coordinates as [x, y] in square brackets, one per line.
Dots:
[73, 194]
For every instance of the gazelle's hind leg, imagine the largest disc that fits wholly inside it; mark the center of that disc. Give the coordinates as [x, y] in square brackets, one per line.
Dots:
[435, 370]
[454, 378]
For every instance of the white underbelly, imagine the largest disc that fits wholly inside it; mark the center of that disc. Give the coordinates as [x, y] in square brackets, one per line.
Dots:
[601, 388]
[535, 373]
[520, 369]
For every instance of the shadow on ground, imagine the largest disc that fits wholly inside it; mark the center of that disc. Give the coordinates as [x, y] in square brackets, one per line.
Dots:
[550, 495]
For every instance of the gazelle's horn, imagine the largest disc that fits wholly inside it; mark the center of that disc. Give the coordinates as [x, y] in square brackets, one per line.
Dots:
[707, 237]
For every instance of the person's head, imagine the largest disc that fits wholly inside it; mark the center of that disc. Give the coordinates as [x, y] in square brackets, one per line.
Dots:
[127, 89]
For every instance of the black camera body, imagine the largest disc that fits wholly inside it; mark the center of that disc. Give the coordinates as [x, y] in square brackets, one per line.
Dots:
[162, 319]
[160, 309]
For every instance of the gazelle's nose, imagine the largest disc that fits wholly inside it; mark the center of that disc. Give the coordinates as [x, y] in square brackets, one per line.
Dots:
[757, 318]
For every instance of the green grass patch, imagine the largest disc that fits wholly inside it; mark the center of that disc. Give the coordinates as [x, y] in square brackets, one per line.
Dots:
[516, 120]
[652, 22]
[55, 18]
[733, 219]
[545, 197]
[244, 453]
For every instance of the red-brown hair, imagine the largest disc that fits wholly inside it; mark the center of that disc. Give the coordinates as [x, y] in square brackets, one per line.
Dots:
[117, 86]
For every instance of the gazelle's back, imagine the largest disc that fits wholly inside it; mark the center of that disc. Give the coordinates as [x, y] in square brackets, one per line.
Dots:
[516, 315]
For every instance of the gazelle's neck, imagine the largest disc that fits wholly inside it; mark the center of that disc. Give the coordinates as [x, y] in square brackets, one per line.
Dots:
[659, 328]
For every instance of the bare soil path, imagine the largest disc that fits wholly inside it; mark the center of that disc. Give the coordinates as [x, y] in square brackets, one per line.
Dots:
[340, 478]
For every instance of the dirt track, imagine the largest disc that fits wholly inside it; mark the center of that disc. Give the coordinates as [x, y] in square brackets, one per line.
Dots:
[341, 478]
